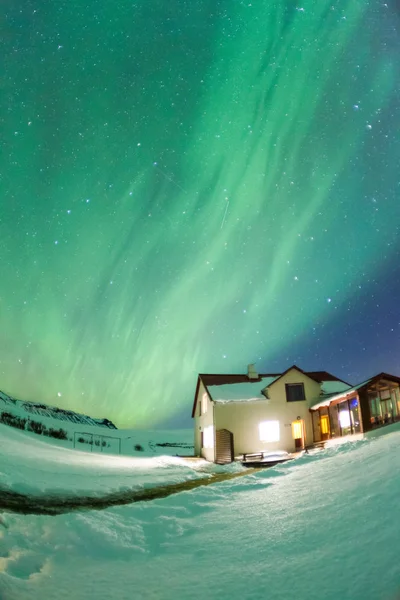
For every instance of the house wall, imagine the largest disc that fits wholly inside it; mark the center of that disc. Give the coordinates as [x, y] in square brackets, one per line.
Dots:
[243, 418]
[202, 421]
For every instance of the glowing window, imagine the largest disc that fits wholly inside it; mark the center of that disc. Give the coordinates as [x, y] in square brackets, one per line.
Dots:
[344, 418]
[269, 431]
[208, 437]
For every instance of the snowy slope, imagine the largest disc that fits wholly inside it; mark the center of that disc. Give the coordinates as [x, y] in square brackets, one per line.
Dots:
[39, 411]
[322, 527]
[32, 465]
[98, 435]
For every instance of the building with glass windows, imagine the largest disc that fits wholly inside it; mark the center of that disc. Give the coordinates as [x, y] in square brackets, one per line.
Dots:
[262, 414]
[366, 406]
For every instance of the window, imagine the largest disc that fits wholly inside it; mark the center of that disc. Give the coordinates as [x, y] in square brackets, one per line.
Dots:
[269, 431]
[295, 392]
[355, 415]
[344, 419]
[208, 437]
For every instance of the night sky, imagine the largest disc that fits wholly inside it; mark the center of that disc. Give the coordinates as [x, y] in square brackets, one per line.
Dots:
[193, 185]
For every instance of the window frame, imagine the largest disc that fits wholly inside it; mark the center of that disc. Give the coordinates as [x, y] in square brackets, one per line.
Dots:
[292, 385]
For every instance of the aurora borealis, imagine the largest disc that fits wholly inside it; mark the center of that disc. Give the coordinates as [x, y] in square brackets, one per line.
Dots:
[193, 186]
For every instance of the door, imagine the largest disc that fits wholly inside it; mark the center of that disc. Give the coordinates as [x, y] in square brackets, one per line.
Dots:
[224, 447]
[298, 434]
[324, 427]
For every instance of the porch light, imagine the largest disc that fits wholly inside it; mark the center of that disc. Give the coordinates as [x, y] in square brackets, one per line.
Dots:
[269, 431]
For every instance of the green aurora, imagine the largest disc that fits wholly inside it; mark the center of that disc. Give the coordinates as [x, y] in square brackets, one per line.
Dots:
[187, 186]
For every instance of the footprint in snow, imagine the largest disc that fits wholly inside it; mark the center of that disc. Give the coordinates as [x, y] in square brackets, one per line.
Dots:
[25, 566]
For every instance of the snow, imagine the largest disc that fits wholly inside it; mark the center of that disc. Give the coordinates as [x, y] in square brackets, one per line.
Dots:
[243, 392]
[32, 461]
[332, 387]
[323, 526]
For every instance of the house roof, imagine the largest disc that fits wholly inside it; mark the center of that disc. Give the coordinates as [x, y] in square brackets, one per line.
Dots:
[232, 387]
[245, 391]
[325, 376]
[311, 376]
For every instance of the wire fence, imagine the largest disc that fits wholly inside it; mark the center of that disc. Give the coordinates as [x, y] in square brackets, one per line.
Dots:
[96, 440]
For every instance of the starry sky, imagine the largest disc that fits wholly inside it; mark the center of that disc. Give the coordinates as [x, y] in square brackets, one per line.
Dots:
[192, 186]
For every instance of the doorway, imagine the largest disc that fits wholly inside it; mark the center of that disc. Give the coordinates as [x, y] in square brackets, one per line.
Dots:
[324, 427]
[298, 434]
[224, 447]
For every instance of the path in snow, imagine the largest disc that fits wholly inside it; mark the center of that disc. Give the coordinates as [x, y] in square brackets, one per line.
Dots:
[55, 505]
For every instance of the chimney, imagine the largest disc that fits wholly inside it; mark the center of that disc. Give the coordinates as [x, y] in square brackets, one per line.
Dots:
[251, 372]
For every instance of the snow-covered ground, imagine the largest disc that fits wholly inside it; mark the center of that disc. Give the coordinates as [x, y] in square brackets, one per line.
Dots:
[37, 465]
[325, 526]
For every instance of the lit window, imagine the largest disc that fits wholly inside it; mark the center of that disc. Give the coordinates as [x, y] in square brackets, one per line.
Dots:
[295, 392]
[344, 418]
[204, 404]
[269, 431]
[208, 437]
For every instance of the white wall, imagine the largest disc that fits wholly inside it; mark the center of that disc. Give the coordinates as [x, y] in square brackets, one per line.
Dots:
[202, 421]
[243, 418]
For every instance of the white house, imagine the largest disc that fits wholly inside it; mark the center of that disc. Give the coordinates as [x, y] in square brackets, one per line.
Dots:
[244, 414]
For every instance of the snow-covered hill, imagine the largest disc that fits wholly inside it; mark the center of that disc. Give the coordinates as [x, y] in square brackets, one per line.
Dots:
[39, 411]
[73, 430]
